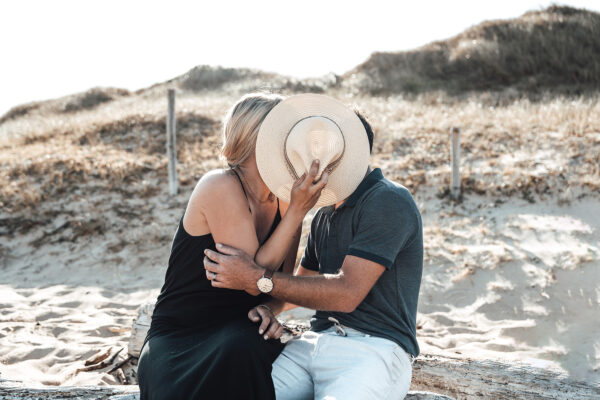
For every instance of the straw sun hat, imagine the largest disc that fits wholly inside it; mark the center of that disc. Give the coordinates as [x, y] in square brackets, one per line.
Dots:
[305, 127]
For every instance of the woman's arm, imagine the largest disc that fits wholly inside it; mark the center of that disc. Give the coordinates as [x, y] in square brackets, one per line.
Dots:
[276, 305]
[218, 206]
[304, 196]
[269, 325]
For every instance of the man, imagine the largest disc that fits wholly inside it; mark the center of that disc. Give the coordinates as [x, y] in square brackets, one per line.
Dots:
[361, 271]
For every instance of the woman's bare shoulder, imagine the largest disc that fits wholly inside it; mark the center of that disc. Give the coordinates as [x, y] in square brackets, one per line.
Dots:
[219, 186]
[215, 191]
[217, 179]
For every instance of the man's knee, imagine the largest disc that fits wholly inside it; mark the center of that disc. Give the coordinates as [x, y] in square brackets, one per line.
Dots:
[291, 380]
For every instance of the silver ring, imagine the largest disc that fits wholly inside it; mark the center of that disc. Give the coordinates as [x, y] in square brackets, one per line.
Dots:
[213, 276]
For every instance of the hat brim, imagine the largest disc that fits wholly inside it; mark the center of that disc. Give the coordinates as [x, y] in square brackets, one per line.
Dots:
[270, 157]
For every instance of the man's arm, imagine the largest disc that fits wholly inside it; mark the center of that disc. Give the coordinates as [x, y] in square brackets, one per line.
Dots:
[342, 292]
[375, 245]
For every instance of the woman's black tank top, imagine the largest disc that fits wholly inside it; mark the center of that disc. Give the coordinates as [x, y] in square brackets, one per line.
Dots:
[187, 299]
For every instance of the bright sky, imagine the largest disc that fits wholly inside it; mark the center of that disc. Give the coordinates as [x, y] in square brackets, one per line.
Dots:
[54, 48]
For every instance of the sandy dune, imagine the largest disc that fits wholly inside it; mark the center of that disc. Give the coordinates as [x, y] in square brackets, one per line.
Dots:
[512, 281]
[511, 273]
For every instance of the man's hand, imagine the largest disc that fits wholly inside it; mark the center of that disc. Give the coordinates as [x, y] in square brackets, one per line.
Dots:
[270, 326]
[232, 269]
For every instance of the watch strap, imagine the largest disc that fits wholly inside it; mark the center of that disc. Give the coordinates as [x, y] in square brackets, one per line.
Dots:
[268, 273]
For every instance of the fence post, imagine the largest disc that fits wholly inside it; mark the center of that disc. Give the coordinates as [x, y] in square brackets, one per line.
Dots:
[455, 159]
[171, 143]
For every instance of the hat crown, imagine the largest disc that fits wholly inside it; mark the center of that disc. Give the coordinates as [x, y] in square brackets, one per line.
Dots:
[313, 138]
[313, 126]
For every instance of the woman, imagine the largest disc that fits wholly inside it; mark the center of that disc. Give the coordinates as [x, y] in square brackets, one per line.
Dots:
[205, 342]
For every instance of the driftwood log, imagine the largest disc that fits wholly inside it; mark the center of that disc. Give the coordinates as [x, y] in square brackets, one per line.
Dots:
[14, 391]
[139, 329]
[471, 379]
[457, 378]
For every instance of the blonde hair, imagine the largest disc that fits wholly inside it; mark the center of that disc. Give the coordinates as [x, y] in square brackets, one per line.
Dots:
[241, 125]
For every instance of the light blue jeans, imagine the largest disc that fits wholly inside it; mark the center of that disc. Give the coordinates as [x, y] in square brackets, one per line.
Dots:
[341, 363]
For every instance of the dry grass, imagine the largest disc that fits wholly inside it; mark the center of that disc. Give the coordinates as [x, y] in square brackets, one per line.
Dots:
[108, 145]
[555, 49]
[524, 148]
[242, 80]
[80, 101]
[56, 156]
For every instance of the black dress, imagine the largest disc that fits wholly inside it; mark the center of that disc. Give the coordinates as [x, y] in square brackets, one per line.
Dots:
[201, 344]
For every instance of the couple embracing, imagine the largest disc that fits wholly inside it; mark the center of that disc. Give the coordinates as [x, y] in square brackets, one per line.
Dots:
[214, 332]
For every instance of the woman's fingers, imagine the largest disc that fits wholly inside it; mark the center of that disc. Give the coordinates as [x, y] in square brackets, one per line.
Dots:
[279, 332]
[270, 327]
[320, 184]
[307, 179]
[299, 181]
[266, 319]
[307, 189]
[314, 170]
[270, 334]
[253, 315]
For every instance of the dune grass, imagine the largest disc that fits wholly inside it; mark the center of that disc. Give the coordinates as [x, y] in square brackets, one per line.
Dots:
[524, 148]
[109, 141]
[556, 49]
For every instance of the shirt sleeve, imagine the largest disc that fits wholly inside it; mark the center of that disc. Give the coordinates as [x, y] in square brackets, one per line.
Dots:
[309, 259]
[387, 223]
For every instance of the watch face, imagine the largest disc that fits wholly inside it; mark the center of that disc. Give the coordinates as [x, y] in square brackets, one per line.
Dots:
[265, 285]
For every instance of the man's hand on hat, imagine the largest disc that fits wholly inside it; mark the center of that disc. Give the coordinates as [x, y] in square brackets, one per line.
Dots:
[307, 190]
[232, 268]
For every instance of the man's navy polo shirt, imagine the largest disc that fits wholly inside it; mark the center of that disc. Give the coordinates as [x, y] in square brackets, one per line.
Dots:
[379, 222]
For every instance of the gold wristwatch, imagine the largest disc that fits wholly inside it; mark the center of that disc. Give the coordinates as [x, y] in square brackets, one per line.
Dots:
[265, 283]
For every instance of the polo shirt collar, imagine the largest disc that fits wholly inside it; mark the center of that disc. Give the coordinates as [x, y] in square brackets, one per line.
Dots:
[367, 183]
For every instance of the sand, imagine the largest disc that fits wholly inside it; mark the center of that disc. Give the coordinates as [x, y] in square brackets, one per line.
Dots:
[505, 280]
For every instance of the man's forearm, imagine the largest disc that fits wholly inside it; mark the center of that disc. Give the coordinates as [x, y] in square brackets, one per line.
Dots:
[343, 291]
[322, 292]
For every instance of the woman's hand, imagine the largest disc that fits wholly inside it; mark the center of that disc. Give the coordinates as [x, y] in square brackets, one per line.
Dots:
[305, 191]
[270, 327]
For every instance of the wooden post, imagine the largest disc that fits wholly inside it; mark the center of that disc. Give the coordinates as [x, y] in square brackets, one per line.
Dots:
[455, 158]
[171, 144]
